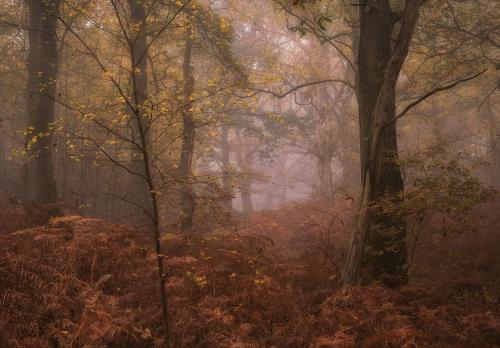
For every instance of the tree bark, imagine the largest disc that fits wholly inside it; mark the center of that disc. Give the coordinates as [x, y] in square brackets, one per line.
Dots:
[226, 168]
[325, 176]
[246, 192]
[378, 245]
[43, 64]
[494, 144]
[138, 47]
[245, 165]
[188, 138]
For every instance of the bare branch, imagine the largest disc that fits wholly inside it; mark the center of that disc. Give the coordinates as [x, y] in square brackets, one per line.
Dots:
[294, 89]
[432, 92]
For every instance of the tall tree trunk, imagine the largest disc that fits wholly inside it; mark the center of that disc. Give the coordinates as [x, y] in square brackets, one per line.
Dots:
[43, 64]
[324, 147]
[188, 137]
[325, 176]
[278, 193]
[494, 140]
[245, 165]
[246, 192]
[378, 247]
[226, 168]
[386, 249]
[324, 154]
[138, 46]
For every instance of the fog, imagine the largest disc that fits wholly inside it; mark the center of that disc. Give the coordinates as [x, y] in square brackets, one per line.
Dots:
[357, 128]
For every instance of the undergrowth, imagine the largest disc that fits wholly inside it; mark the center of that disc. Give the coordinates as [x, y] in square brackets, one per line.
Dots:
[271, 282]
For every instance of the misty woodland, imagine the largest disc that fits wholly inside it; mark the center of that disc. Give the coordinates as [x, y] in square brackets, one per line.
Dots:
[249, 173]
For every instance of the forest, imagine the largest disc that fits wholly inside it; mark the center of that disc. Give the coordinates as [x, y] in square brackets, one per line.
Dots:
[249, 173]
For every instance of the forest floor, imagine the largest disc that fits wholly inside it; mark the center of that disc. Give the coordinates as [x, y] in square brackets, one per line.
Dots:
[270, 282]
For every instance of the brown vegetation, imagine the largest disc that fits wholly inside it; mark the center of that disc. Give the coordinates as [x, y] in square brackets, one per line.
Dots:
[80, 282]
[249, 173]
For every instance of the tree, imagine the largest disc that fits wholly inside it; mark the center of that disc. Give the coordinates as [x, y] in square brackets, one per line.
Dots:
[138, 124]
[380, 35]
[386, 238]
[377, 69]
[225, 151]
[188, 137]
[138, 49]
[379, 66]
[43, 64]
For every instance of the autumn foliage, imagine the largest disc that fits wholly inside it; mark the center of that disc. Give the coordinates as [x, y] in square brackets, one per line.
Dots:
[271, 282]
